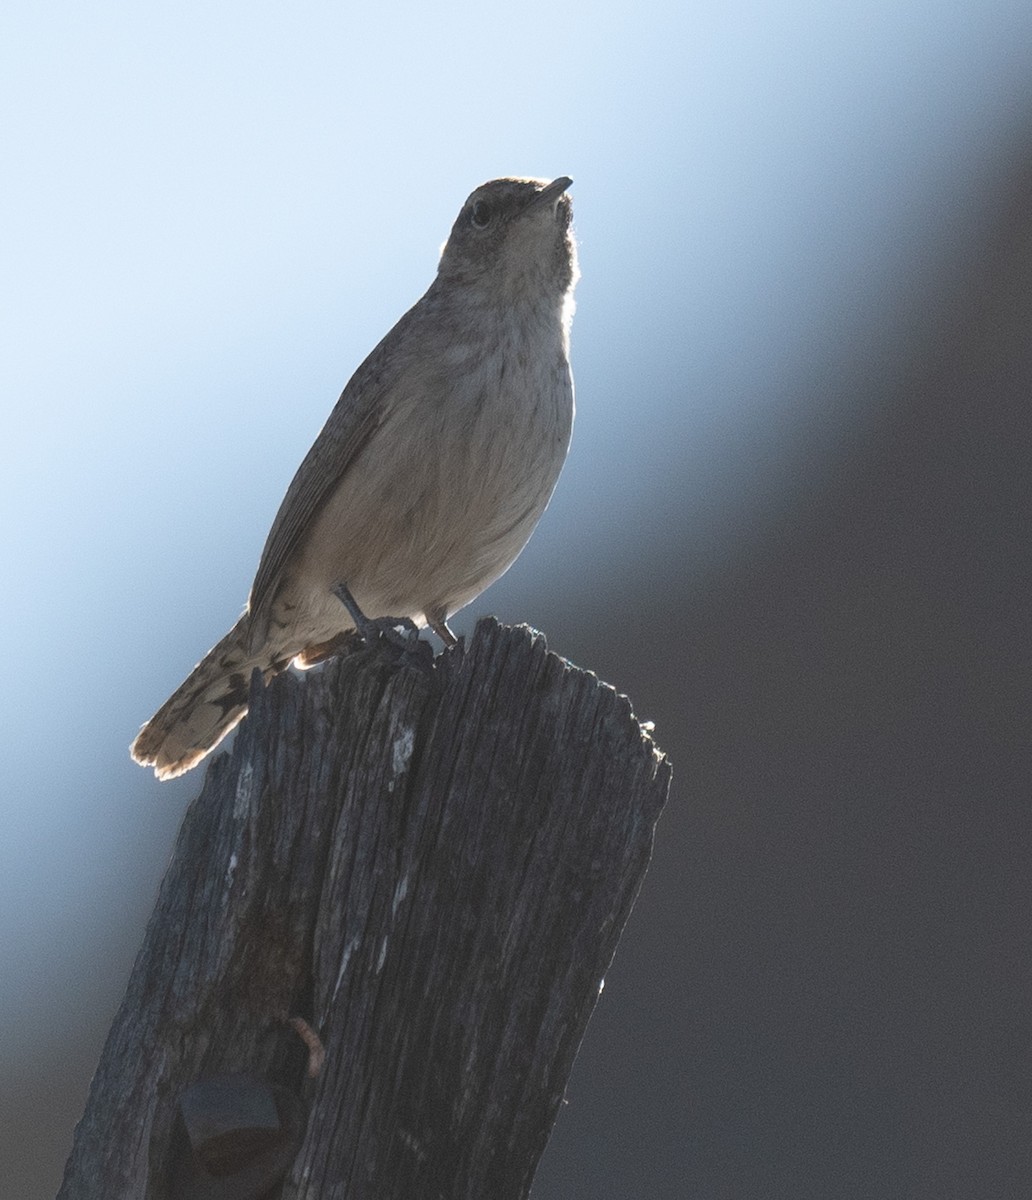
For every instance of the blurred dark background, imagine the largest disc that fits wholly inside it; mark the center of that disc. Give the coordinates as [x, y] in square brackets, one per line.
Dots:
[794, 526]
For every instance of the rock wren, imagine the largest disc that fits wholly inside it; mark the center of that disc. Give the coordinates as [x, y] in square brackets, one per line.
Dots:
[430, 474]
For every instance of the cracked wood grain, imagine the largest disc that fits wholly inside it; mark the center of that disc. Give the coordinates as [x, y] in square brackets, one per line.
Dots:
[433, 867]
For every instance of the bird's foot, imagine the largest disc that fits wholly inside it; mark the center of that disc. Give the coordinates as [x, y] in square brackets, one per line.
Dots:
[400, 633]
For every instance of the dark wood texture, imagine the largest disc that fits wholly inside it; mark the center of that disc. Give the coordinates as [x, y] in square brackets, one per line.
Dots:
[432, 866]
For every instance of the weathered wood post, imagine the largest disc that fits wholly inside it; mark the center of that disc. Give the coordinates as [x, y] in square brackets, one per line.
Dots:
[433, 867]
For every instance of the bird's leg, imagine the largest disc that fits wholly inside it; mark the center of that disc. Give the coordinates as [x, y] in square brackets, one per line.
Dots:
[437, 619]
[444, 633]
[374, 628]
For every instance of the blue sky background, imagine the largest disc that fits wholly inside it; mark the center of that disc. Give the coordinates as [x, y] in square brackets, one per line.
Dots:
[212, 213]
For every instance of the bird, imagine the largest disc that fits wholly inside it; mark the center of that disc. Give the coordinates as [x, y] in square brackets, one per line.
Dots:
[427, 479]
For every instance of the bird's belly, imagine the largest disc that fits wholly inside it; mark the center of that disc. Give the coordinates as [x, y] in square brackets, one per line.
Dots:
[429, 515]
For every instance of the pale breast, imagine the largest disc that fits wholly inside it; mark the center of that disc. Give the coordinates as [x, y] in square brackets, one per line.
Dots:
[444, 497]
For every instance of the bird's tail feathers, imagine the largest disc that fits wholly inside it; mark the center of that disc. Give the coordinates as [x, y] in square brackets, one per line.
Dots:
[209, 703]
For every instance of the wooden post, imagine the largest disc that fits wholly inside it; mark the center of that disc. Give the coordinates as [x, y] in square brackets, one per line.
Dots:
[432, 867]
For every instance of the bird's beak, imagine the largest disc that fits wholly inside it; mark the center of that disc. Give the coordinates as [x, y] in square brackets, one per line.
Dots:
[551, 191]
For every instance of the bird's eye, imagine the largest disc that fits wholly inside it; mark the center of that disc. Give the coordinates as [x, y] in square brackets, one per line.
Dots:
[481, 214]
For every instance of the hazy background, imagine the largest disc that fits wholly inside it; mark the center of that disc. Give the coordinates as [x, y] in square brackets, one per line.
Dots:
[794, 526]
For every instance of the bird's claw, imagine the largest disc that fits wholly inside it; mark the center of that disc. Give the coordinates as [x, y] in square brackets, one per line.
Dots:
[399, 633]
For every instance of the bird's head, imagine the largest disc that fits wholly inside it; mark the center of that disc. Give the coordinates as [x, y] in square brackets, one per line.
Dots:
[513, 237]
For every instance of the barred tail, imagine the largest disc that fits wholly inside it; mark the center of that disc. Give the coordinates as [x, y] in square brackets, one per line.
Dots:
[204, 708]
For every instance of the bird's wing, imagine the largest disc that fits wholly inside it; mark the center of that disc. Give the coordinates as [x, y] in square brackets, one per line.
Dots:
[354, 420]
